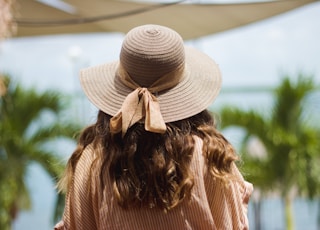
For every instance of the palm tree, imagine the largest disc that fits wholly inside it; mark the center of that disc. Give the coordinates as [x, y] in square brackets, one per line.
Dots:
[30, 125]
[291, 141]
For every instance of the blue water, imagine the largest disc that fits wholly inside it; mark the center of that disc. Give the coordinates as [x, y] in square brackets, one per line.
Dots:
[305, 214]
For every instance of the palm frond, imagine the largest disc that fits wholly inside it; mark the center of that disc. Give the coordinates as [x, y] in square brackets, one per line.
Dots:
[291, 143]
[53, 131]
[249, 120]
[289, 101]
[25, 134]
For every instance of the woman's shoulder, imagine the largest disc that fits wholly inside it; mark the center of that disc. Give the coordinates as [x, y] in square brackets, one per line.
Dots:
[88, 158]
[198, 141]
[90, 152]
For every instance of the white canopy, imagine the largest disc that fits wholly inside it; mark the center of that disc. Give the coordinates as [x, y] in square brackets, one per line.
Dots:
[190, 20]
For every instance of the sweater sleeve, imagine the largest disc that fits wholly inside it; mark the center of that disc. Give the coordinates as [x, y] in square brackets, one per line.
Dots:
[81, 210]
[228, 201]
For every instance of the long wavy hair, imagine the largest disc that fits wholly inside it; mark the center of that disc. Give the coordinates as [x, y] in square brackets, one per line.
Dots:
[151, 169]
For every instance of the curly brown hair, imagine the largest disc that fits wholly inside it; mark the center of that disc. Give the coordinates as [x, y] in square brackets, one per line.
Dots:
[152, 169]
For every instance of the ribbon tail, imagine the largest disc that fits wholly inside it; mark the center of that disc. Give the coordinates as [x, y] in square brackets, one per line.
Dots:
[128, 114]
[153, 121]
[116, 123]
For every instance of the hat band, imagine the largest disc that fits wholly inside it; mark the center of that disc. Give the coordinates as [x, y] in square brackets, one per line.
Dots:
[142, 103]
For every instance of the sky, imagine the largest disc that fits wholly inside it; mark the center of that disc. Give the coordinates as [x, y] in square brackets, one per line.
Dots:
[256, 55]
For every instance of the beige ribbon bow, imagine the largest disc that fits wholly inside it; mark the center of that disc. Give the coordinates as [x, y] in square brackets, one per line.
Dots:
[142, 103]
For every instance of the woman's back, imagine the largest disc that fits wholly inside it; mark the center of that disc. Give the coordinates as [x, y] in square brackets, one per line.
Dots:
[154, 159]
[213, 204]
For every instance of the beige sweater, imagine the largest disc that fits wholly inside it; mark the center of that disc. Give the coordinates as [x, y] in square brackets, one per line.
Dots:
[213, 205]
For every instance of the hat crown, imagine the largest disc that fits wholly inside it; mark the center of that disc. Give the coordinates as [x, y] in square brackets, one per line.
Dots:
[151, 51]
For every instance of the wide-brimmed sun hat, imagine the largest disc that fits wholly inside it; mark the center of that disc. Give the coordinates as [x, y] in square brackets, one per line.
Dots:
[156, 77]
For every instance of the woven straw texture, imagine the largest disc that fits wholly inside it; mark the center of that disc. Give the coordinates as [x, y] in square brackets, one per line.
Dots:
[148, 52]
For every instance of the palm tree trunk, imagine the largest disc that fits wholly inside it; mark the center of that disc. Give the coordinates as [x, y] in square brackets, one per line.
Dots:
[318, 218]
[289, 212]
[257, 214]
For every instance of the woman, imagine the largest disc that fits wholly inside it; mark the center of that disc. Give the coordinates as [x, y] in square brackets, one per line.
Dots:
[154, 159]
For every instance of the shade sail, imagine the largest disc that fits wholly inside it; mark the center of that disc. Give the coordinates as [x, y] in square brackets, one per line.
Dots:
[190, 20]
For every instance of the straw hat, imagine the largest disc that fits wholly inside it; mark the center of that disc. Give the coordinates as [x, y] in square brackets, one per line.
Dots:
[148, 53]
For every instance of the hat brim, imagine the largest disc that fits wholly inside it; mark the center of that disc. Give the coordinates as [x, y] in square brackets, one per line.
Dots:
[196, 91]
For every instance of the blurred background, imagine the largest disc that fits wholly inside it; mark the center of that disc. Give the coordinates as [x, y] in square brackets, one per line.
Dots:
[269, 106]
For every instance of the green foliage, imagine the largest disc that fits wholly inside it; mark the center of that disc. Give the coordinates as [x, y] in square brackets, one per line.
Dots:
[30, 122]
[290, 139]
